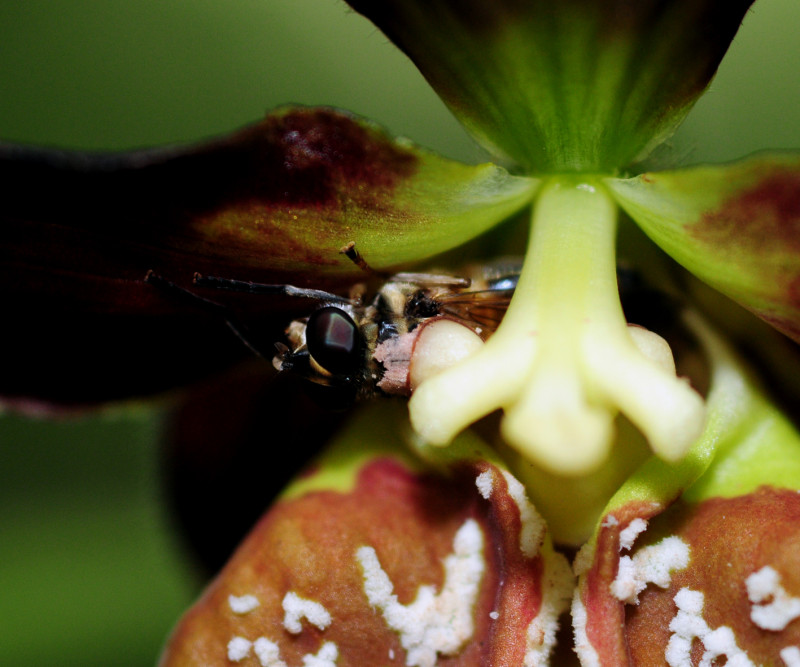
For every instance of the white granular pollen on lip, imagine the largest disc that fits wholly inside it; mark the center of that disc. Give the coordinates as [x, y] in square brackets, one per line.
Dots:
[494, 615]
[296, 608]
[791, 656]
[688, 624]
[583, 559]
[239, 648]
[485, 482]
[652, 564]
[628, 535]
[557, 587]
[325, 657]
[433, 623]
[583, 647]
[533, 527]
[269, 654]
[242, 604]
[782, 608]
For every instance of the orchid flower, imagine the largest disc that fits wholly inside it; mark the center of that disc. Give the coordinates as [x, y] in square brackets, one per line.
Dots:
[398, 548]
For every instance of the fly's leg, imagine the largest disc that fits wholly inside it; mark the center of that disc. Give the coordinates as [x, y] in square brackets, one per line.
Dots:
[349, 250]
[247, 287]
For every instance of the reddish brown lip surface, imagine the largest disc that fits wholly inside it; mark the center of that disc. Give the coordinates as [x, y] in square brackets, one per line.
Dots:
[309, 546]
[729, 539]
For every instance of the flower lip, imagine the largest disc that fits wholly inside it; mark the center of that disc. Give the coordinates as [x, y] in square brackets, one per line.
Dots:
[323, 566]
[685, 580]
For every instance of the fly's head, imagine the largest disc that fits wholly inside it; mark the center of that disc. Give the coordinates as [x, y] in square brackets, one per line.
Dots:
[327, 348]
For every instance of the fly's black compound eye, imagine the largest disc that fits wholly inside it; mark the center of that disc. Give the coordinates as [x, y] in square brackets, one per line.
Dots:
[333, 340]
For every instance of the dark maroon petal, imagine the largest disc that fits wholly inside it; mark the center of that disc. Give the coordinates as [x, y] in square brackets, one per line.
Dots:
[274, 202]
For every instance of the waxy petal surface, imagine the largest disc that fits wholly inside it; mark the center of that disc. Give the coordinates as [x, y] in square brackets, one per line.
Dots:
[735, 226]
[272, 203]
[385, 549]
[688, 608]
[570, 85]
[671, 576]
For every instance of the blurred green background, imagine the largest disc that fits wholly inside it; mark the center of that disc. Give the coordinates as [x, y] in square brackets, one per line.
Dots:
[90, 570]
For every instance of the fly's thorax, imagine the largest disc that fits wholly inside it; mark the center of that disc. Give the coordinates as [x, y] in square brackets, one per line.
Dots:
[390, 308]
[432, 346]
[296, 334]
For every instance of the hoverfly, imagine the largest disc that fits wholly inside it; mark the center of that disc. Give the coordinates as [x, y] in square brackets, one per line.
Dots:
[372, 346]
[366, 343]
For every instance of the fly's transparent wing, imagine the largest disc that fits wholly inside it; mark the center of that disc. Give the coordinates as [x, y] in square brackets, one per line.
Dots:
[481, 310]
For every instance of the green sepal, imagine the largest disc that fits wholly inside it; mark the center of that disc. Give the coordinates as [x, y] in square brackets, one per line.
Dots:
[735, 226]
[338, 466]
[762, 448]
[576, 85]
[327, 178]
